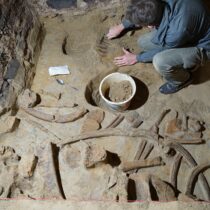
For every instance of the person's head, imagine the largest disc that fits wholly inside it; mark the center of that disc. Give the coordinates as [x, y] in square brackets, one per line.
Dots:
[145, 12]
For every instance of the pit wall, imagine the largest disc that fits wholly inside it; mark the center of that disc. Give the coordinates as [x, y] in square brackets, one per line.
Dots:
[21, 37]
[79, 8]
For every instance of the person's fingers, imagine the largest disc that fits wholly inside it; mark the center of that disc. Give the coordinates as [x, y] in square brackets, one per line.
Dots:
[119, 58]
[109, 36]
[120, 62]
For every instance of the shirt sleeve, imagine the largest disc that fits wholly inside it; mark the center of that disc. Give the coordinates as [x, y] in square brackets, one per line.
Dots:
[127, 24]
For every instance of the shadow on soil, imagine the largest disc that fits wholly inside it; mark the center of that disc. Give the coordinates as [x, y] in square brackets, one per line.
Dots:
[202, 75]
[141, 96]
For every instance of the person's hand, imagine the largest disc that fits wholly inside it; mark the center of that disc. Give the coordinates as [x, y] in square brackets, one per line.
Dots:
[115, 31]
[127, 59]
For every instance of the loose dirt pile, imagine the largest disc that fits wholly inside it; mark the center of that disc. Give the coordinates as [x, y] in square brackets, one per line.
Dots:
[120, 91]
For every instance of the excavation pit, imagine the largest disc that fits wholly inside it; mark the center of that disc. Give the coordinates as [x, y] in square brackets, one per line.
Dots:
[36, 164]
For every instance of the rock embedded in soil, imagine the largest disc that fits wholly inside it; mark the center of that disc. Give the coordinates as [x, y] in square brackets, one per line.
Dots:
[94, 154]
[27, 165]
[90, 125]
[27, 99]
[8, 125]
[120, 91]
[97, 115]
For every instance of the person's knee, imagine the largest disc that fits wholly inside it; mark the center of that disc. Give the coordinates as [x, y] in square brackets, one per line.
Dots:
[159, 63]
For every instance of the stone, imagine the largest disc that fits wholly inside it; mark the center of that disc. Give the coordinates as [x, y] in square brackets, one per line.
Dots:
[117, 187]
[12, 69]
[9, 161]
[27, 99]
[94, 154]
[134, 119]
[9, 124]
[27, 165]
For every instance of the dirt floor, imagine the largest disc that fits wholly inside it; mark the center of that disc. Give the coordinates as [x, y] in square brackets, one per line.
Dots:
[80, 43]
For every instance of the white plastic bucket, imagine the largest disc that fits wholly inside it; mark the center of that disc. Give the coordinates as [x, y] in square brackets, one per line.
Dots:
[108, 81]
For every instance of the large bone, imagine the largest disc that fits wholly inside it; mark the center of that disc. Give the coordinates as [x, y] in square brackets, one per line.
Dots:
[112, 132]
[183, 136]
[193, 175]
[48, 172]
[116, 121]
[71, 117]
[38, 114]
[191, 161]
[144, 184]
[56, 118]
[168, 140]
[127, 166]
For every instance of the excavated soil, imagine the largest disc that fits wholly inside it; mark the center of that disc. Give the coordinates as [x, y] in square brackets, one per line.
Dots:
[59, 171]
[119, 91]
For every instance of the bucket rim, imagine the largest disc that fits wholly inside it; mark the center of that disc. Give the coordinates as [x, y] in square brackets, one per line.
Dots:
[122, 102]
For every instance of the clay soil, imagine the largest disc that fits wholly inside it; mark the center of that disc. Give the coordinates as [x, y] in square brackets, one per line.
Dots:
[80, 43]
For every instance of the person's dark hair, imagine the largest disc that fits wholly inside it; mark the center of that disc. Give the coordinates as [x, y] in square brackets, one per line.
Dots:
[145, 12]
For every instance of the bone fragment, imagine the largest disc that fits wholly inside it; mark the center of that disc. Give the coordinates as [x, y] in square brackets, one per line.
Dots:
[127, 166]
[184, 122]
[185, 136]
[115, 122]
[193, 175]
[144, 182]
[48, 173]
[168, 140]
[71, 117]
[155, 127]
[57, 117]
[56, 95]
[89, 125]
[148, 149]
[140, 150]
[175, 169]
[97, 115]
[192, 163]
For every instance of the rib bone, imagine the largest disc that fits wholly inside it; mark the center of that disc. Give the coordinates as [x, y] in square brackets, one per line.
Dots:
[127, 166]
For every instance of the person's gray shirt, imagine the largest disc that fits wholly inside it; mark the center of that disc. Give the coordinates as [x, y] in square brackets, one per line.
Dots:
[185, 23]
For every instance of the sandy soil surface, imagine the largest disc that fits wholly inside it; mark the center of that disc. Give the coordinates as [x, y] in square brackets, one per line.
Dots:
[80, 43]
